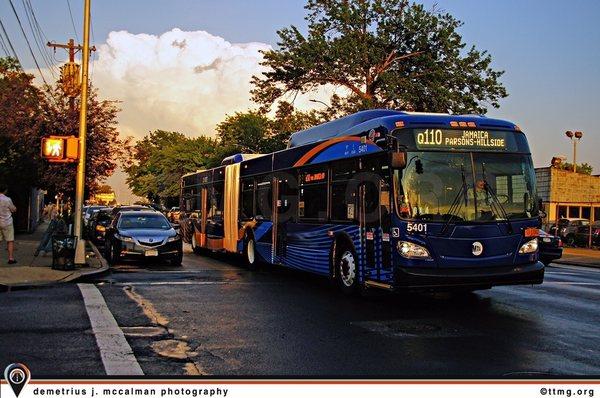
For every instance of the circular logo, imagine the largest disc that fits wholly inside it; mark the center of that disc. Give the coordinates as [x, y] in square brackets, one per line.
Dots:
[17, 376]
[477, 248]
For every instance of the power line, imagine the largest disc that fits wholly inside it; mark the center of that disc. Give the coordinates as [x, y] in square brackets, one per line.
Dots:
[10, 44]
[37, 37]
[72, 20]
[3, 45]
[27, 41]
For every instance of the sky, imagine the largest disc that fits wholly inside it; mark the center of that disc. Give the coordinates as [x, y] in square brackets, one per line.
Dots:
[185, 64]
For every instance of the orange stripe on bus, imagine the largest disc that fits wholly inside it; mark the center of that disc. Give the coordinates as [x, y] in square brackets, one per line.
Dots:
[310, 154]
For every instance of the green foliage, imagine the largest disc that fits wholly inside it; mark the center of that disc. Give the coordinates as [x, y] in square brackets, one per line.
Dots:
[381, 53]
[27, 114]
[582, 168]
[161, 158]
[255, 132]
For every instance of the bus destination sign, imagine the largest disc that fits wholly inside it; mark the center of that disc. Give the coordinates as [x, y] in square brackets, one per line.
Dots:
[460, 139]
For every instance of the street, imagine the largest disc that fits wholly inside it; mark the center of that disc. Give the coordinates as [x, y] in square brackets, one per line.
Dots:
[213, 317]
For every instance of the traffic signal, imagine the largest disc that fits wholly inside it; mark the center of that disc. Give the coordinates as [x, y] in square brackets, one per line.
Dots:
[60, 149]
[70, 79]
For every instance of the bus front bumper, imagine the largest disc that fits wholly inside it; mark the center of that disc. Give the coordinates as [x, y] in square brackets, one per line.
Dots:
[467, 278]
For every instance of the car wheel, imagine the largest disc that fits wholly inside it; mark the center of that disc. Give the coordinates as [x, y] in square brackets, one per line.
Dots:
[250, 253]
[177, 260]
[346, 270]
[113, 256]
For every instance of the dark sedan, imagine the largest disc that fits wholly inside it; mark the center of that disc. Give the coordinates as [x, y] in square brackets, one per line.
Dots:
[142, 234]
[551, 247]
[97, 225]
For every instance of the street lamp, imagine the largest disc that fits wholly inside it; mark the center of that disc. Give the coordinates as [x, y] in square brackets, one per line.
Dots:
[572, 135]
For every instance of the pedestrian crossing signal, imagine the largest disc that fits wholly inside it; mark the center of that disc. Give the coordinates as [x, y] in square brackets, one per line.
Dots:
[60, 149]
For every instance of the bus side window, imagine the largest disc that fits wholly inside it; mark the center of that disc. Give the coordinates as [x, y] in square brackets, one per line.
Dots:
[264, 197]
[312, 198]
[247, 199]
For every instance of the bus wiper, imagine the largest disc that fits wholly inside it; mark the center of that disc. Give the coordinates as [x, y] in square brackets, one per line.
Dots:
[457, 202]
[489, 192]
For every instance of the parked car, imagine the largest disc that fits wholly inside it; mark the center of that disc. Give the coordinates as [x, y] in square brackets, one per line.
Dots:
[551, 247]
[581, 237]
[566, 227]
[117, 209]
[88, 211]
[142, 234]
[173, 214]
[97, 225]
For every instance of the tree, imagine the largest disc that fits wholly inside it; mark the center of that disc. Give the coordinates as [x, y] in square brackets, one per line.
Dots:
[105, 148]
[582, 168]
[161, 158]
[255, 132]
[382, 53]
[22, 125]
[27, 114]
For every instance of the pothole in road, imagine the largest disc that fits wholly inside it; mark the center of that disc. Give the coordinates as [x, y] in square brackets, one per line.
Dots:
[164, 345]
[145, 331]
[175, 349]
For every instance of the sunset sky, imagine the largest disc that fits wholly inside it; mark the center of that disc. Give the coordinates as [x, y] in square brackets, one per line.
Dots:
[183, 65]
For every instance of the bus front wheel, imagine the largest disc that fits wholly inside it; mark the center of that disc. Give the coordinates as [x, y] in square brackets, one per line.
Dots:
[250, 254]
[346, 270]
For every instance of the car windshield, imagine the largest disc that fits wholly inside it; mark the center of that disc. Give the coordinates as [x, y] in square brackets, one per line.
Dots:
[144, 221]
[466, 186]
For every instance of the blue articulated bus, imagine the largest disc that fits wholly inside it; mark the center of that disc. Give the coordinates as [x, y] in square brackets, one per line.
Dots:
[379, 199]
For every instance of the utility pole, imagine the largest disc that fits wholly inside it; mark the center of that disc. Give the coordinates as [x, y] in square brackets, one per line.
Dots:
[80, 181]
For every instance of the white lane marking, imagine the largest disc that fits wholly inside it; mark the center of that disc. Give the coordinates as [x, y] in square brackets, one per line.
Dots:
[191, 283]
[116, 354]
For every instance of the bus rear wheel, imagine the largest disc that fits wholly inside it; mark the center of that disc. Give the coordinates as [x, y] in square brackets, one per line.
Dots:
[346, 270]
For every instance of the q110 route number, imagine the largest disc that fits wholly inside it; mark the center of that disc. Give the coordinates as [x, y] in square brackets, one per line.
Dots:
[413, 227]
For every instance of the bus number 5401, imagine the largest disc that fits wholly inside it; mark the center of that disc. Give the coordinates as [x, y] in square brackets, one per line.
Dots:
[413, 227]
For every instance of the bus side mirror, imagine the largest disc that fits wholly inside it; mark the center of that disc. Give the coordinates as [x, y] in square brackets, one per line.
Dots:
[398, 160]
[541, 208]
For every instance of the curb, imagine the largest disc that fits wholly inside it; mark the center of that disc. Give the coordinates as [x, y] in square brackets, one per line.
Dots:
[69, 278]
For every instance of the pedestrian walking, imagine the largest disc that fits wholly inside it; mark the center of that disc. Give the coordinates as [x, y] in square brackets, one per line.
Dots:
[7, 230]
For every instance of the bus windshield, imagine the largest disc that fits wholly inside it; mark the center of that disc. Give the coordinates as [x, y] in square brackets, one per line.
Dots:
[466, 187]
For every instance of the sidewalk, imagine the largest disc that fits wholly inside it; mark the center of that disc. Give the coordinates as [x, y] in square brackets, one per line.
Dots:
[37, 271]
[581, 257]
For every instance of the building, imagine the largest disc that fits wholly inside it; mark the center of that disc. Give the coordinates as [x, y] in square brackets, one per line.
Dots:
[568, 194]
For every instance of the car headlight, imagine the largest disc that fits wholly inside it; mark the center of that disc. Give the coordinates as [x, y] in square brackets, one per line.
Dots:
[412, 250]
[173, 238]
[529, 247]
[124, 238]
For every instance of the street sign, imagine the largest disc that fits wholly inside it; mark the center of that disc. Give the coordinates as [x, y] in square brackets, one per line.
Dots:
[60, 149]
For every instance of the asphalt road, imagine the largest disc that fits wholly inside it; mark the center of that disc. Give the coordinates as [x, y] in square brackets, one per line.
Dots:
[213, 317]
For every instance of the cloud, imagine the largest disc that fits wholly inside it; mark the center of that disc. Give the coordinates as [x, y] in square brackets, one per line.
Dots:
[183, 81]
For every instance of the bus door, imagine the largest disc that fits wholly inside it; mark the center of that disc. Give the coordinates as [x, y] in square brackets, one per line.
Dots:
[285, 194]
[203, 215]
[375, 223]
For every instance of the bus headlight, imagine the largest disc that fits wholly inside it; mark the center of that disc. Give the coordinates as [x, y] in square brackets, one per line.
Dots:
[412, 250]
[529, 247]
